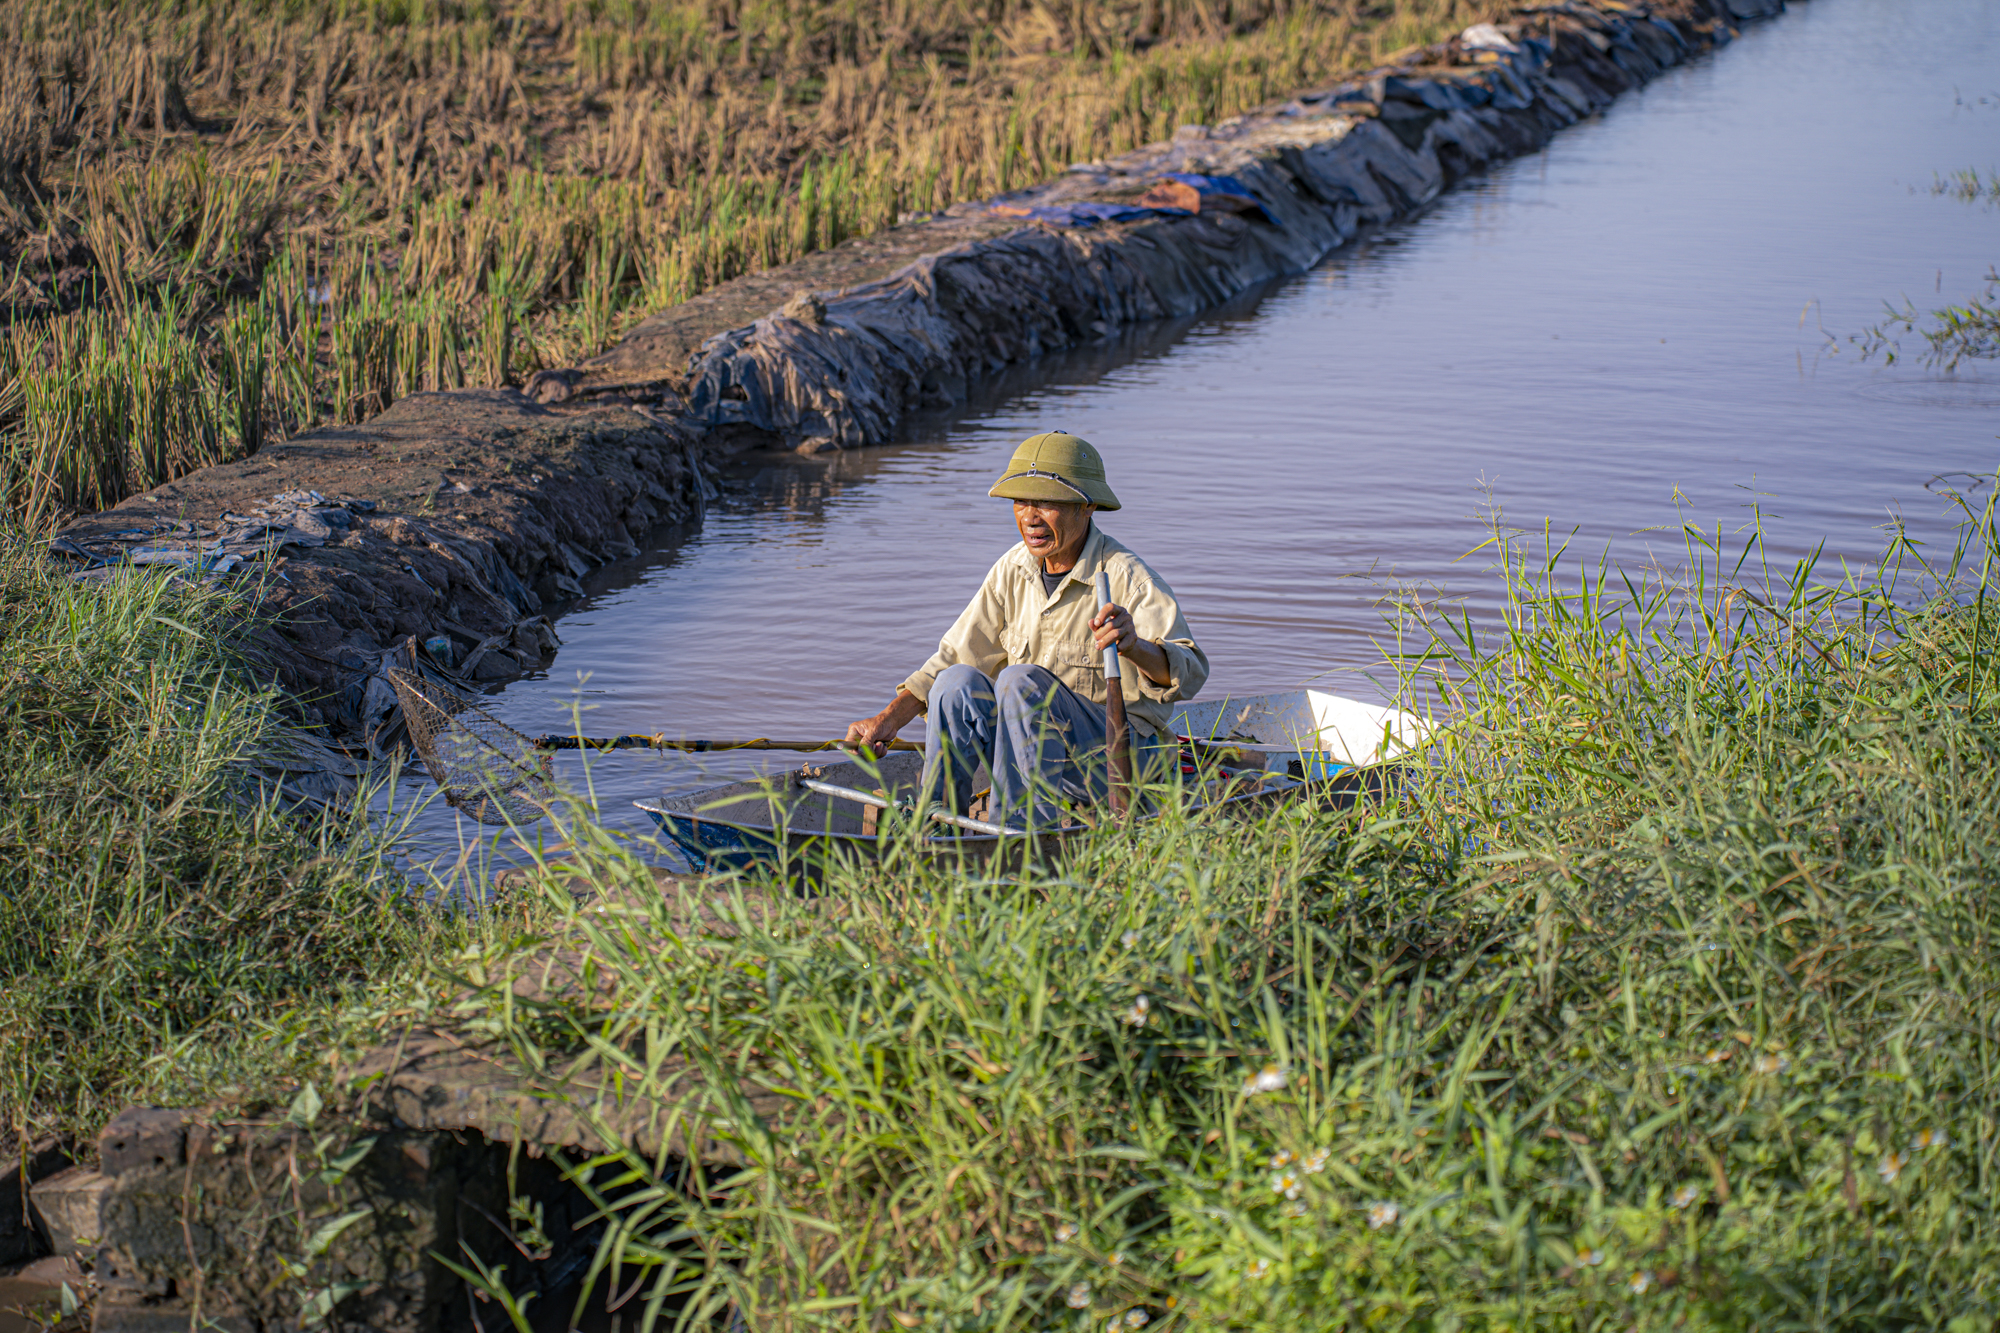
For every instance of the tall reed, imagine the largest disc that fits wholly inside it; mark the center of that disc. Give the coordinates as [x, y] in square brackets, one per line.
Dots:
[75, 399]
[114, 400]
[110, 403]
[176, 424]
[245, 363]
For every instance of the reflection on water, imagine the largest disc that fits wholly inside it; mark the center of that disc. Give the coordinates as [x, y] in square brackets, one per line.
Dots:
[1620, 333]
[1965, 389]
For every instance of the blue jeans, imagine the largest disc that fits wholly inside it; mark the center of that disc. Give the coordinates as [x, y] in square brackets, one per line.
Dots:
[1039, 739]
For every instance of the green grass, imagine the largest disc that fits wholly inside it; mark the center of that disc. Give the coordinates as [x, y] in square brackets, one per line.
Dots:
[167, 933]
[1661, 997]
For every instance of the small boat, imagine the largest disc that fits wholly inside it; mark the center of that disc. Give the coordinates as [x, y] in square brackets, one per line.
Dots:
[1238, 753]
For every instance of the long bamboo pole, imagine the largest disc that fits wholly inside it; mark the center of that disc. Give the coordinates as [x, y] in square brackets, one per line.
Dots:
[665, 742]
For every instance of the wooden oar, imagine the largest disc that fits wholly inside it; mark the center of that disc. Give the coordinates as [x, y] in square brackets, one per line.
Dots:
[1117, 743]
[665, 742]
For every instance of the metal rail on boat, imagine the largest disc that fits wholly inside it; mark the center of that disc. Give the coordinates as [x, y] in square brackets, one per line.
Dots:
[1241, 752]
[938, 816]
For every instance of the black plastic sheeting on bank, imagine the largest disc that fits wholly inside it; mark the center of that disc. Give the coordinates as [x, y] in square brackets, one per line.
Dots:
[1278, 190]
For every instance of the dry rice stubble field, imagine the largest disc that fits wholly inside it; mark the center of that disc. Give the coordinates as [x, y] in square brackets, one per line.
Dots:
[222, 224]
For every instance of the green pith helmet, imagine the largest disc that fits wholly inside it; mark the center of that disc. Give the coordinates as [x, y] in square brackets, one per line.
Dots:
[1055, 466]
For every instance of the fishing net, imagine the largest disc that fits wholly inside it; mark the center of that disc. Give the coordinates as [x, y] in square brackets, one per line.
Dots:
[484, 767]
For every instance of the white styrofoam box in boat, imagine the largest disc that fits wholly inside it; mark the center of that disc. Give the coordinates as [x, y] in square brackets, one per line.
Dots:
[1303, 722]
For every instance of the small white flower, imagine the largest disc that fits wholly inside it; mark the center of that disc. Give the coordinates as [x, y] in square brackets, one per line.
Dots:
[1285, 1183]
[1589, 1257]
[1296, 1208]
[1641, 1283]
[1685, 1196]
[1115, 1258]
[1259, 1268]
[1079, 1296]
[1283, 1158]
[1271, 1078]
[1316, 1160]
[1382, 1214]
[1129, 938]
[1892, 1166]
[1137, 1318]
[1066, 1233]
[1139, 1014]
[1928, 1138]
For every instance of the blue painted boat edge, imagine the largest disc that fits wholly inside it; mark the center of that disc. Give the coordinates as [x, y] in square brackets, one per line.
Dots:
[705, 845]
[709, 843]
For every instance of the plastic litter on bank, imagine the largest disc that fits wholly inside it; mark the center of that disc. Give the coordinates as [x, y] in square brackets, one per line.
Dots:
[221, 546]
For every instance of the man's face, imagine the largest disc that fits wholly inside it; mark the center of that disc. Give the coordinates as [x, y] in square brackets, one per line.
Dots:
[1052, 529]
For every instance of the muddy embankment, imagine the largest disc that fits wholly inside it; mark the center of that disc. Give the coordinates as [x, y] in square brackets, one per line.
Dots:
[462, 520]
[468, 517]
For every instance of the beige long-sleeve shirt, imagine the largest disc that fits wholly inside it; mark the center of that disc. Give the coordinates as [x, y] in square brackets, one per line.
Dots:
[1013, 621]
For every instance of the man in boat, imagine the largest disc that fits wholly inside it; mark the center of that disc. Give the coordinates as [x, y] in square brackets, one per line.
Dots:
[1018, 681]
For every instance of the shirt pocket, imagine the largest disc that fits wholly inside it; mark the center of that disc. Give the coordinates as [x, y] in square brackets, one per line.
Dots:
[1081, 667]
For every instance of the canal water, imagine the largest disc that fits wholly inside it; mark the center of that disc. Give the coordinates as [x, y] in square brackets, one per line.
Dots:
[1645, 324]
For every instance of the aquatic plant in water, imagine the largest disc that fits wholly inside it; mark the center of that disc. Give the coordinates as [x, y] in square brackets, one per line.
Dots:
[1952, 334]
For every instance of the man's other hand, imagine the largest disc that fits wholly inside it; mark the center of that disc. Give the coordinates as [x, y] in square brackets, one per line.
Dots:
[871, 735]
